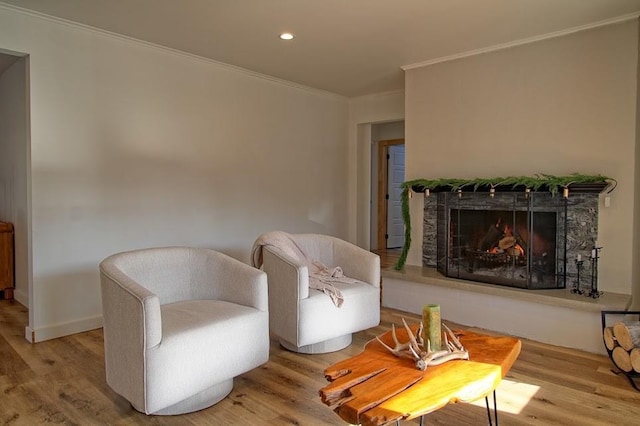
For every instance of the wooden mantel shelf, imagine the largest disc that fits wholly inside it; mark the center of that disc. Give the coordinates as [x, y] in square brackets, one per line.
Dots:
[592, 188]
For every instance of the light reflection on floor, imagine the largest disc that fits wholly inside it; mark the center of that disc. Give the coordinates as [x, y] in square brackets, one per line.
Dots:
[512, 396]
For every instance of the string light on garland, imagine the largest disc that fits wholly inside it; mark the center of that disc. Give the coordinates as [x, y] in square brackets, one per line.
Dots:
[459, 191]
[565, 192]
[492, 191]
[427, 192]
[527, 192]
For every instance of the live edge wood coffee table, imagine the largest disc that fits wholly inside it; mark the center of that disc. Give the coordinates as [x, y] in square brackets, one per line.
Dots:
[377, 388]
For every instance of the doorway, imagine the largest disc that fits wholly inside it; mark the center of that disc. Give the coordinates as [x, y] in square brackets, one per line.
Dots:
[391, 166]
[15, 166]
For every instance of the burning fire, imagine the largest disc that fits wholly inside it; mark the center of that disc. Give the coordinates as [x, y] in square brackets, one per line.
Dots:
[508, 243]
[514, 250]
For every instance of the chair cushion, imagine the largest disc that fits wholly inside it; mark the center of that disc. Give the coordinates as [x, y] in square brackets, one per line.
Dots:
[197, 352]
[320, 319]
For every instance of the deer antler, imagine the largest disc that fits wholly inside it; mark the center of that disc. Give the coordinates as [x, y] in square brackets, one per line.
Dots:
[399, 349]
[415, 348]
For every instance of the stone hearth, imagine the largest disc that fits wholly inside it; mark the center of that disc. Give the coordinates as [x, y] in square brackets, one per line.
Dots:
[550, 316]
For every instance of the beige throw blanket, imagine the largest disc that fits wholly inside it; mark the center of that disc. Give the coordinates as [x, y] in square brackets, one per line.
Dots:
[321, 277]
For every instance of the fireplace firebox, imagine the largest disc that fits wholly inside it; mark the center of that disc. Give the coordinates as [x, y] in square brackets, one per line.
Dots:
[513, 239]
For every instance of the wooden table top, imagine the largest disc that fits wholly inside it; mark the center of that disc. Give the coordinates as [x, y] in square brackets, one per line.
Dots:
[376, 387]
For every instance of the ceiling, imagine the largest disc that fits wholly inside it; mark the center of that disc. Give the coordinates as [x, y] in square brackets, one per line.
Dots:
[348, 47]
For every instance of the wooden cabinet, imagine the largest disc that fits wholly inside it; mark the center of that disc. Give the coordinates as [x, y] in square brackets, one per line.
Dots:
[6, 256]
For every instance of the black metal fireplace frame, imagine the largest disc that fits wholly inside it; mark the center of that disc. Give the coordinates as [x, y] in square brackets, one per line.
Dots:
[456, 261]
[583, 203]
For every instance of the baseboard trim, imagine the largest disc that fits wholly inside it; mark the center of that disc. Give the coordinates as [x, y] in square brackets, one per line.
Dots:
[21, 297]
[40, 334]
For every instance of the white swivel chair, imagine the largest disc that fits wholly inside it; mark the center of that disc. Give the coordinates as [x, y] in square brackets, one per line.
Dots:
[306, 320]
[179, 324]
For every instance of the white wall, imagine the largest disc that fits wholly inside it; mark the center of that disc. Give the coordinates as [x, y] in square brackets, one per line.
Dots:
[363, 112]
[557, 106]
[387, 131]
[635, 274]
[136, 146]
[14, 169]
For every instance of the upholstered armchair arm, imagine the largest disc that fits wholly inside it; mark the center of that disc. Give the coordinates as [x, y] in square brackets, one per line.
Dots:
[288, 284]
[231, 280]
[131, 307]
[132, 324]
[357, 262]
[287, 277]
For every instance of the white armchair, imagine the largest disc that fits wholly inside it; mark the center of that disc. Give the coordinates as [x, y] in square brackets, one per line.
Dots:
[306, 320]
[173, 319]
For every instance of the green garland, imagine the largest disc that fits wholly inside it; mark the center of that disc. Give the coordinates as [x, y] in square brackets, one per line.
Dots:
[534, 183]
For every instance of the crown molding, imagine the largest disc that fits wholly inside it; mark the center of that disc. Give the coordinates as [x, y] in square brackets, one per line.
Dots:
[169, 50]
[523, 41]
[378, 95]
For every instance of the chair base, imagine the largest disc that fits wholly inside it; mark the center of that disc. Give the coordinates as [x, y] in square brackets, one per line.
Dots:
[199, 401]
[331, 345]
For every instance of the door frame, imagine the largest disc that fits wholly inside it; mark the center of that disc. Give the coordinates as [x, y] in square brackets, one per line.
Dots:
[383, 178]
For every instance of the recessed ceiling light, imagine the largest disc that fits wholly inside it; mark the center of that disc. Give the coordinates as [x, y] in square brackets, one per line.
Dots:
[286, 36]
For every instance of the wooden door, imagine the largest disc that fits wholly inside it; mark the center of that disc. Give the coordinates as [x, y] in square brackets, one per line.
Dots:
[395, 178]
[390, 176]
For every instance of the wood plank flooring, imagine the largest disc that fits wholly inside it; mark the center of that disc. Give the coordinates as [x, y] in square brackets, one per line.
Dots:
[62, 381]
[388, 257]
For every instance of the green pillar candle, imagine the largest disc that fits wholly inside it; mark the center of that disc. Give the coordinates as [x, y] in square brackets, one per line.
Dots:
[431, 326]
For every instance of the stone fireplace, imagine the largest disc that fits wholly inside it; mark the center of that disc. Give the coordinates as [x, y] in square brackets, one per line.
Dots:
[515, 238]
[509, 307]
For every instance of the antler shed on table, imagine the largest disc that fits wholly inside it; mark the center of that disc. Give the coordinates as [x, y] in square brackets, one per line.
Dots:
[416, 349]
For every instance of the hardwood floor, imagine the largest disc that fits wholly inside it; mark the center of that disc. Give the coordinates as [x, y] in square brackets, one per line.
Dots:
[62, 381]
[388, 257]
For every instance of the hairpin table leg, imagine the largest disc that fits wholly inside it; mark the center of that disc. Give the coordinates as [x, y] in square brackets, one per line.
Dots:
[495, 409]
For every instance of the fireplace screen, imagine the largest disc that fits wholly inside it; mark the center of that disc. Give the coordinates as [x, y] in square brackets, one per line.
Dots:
[508, 239]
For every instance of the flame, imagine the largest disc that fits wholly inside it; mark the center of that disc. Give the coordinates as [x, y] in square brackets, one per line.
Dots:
[511, 246]
[515, 250]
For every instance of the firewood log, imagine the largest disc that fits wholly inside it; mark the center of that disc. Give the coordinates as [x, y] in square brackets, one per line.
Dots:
[522, 243]
[609, 341]
[634, 355]
[507, 242]
[491, 238]
[627, 334]
[622, 359]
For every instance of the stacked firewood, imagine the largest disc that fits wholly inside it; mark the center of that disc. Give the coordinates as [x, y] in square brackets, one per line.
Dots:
[623, 342]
